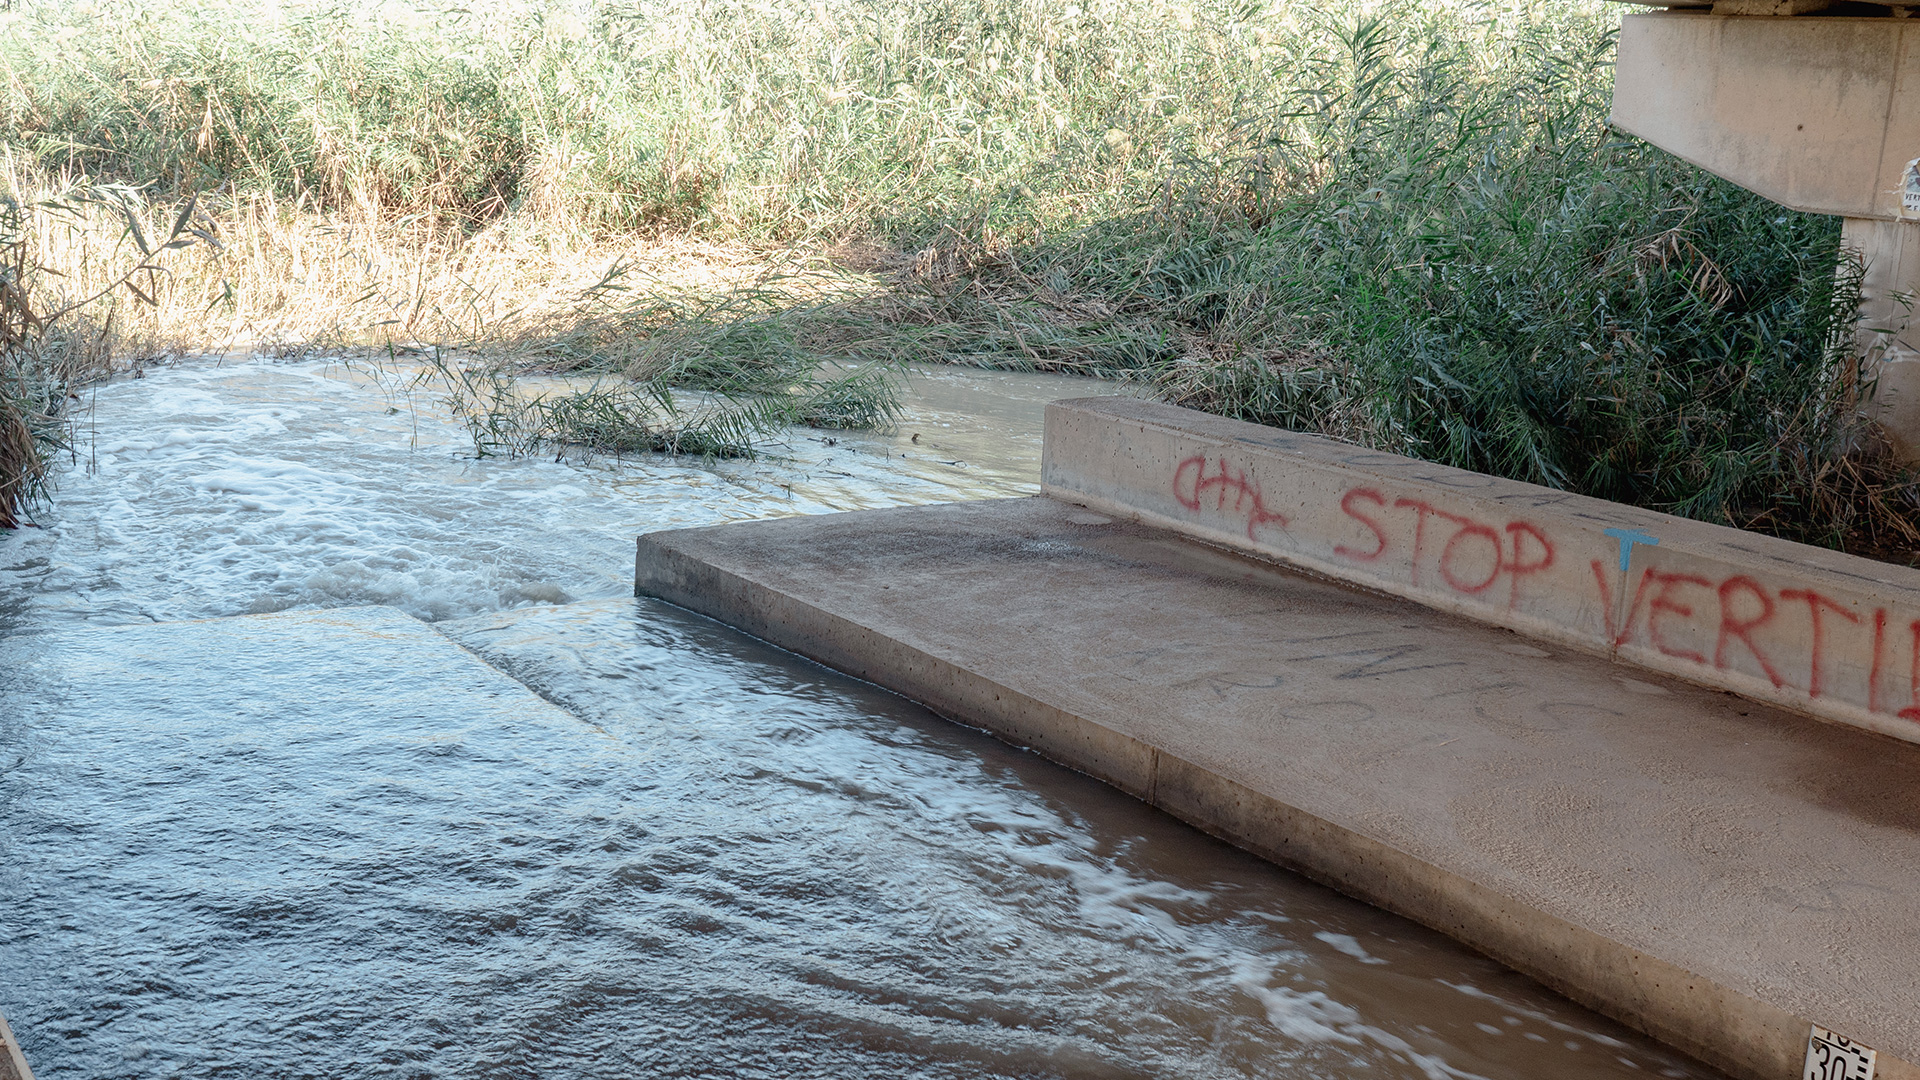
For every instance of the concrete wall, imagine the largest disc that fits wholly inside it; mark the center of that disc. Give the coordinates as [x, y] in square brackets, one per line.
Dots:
[1888, 334]
[1824, 633]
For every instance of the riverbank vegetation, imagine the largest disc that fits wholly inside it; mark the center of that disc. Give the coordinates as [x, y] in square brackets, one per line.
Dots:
[1405, 225]
[49, 352]
[32, 390]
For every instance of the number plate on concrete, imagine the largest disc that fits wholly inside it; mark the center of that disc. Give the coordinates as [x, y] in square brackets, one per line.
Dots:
[1836, 1057]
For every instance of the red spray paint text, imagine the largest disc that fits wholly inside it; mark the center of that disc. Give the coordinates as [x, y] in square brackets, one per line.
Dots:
[1516, 550]
[1745, 623]
[1191, 484]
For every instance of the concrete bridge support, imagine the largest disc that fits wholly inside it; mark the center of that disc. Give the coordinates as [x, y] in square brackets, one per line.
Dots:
[1817, 112]
[1889, 335]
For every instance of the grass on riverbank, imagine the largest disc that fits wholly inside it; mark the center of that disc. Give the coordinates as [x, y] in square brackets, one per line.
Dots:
[1403, 225]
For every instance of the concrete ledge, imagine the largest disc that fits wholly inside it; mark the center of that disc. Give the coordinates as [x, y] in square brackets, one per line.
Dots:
[1713, 873]
[13, 1064]
[1831, 635]
[1716, 874]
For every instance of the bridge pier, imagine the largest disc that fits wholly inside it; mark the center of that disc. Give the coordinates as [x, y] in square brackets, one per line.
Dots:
[1817, 112]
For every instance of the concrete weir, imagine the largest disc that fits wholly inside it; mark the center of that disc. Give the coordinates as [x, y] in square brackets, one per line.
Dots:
[1721, 873]
[1833, 635]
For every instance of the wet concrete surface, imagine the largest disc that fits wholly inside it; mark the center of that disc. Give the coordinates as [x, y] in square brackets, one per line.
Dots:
[1713, 871]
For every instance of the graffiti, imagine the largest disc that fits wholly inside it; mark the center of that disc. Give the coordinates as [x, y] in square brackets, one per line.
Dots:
[1223, 683]
[1471, 559]
[1873, 673]
[1519, 567]
[1816, 653]
[1746, 609]
[1665, 602]
[1191, 485]
[1372, 660]
[1796, 638]
[1456, 563]
[1628, 538]
[1422, 510]
[1469, 530]
[1912, 712]
[1348, 506]
[1732, 628]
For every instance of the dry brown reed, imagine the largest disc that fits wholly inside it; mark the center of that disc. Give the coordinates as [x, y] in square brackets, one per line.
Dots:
[277, 277]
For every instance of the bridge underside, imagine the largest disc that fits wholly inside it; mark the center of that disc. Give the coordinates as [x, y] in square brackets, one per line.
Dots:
[1817, 111]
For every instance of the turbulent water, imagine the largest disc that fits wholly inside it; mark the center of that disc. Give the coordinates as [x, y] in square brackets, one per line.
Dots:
[268, 848]
[206, 491]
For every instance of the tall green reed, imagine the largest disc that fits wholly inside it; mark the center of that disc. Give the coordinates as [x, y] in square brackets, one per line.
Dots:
[1403, 224]
[1487, 275]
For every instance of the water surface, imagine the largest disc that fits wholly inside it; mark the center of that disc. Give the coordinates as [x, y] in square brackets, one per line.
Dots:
[563, 832]
[208, 490]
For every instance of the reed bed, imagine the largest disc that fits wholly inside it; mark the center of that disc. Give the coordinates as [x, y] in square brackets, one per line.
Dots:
[1404, 225]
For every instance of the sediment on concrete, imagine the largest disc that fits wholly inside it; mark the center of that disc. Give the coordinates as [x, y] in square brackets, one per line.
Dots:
[1718, 874]
[1817, 631]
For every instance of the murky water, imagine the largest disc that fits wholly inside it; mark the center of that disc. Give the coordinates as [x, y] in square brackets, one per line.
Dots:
[250, 848]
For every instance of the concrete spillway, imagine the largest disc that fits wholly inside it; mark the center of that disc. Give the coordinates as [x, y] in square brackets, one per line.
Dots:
[1719, 872]
[330, 842]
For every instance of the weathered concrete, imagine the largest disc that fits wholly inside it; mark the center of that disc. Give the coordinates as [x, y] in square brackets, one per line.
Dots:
[1716, 873]
[1888, 334]
[1819, 114]
[13, 1064]
[1829, 634]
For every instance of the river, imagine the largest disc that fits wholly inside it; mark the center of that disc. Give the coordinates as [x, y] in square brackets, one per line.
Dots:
[715, 859]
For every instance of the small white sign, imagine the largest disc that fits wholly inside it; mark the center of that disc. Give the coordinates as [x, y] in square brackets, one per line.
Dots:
[1836, 1057]
[1910, 188]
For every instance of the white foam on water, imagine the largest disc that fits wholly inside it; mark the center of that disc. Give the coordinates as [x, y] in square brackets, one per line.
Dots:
[1350, 945]
[213, 489]
[1315, 1017]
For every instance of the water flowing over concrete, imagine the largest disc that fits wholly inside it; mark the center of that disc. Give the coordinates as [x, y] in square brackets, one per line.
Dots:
[564, 831]
[216, 490]
[1709, 869]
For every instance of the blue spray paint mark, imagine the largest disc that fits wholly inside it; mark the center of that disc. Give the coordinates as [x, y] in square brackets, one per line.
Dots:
[1628, 538]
